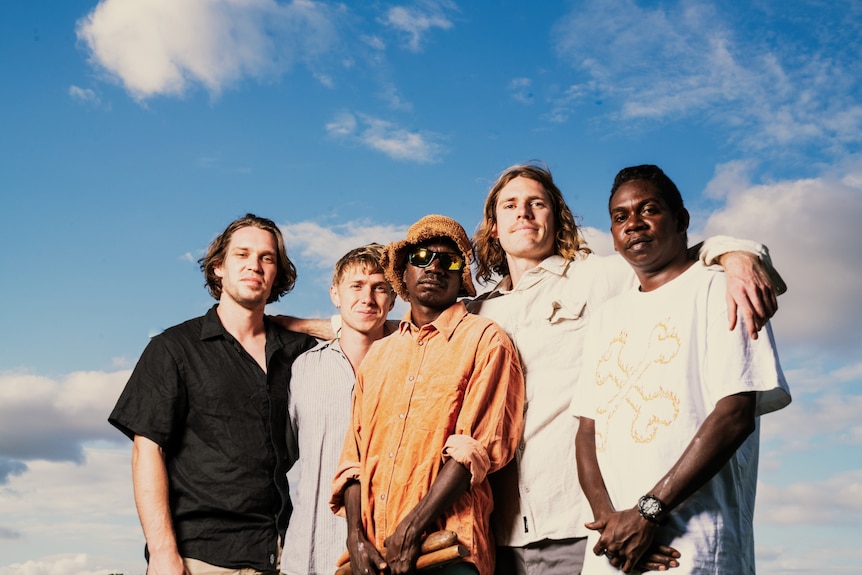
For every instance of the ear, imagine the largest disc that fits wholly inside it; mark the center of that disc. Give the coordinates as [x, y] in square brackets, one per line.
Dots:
[682, 221]
[218, 270]
[333, 295]
[392, 297]
[494, 233]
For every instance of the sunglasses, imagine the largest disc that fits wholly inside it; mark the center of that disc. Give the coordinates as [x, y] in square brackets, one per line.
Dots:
[423, 257]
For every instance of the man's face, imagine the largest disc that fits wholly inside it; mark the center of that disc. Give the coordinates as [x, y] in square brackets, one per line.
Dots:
[365, 299]
[525, 220]
[249, 267]
[645, 231]
[433, 287]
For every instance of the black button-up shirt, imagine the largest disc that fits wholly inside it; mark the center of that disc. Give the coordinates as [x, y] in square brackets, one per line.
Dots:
[221, 422]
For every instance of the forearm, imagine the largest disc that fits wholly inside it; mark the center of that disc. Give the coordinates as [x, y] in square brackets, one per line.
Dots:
[319, 328]
[364, 557]
[404, 544]
[150, 481]
[452, 481]
[715, 442]
[589, 474]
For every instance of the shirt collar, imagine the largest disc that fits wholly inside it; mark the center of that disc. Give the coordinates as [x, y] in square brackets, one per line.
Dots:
[212, 327]
[556, 265]
[445, 323]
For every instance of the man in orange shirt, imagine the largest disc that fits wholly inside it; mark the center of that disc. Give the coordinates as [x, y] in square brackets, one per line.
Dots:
[438, 405]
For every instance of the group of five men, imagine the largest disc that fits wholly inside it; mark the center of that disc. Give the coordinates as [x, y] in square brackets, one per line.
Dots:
[461, 417]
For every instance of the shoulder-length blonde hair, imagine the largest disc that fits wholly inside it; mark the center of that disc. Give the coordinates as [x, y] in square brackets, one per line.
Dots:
[490, 257]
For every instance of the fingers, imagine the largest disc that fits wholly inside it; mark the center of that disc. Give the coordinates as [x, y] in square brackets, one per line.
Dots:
[731, 311]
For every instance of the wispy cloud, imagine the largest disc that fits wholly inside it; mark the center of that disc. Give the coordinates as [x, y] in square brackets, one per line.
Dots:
[521, 90]
[693, 59]
[416, 21]
[386, 137]
[84, 95]
[163, 47]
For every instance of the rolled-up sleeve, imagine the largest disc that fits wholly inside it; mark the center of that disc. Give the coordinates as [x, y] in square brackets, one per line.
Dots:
[493, 410]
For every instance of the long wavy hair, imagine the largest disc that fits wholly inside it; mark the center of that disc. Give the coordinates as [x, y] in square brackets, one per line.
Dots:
[568, 242]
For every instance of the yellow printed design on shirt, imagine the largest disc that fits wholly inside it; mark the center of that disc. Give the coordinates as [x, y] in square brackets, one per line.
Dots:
[622, 377]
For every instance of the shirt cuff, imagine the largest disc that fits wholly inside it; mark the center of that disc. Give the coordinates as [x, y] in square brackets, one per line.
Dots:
[716, 246]
[469, 453]
[348, 471]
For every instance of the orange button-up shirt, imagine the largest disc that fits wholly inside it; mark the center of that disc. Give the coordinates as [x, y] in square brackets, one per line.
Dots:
[452, 388]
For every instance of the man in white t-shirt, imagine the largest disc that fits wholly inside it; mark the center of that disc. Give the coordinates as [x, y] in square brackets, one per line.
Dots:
[669, 399]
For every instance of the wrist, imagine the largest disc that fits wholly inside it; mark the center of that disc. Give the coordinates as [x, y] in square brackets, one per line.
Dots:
[652, 509]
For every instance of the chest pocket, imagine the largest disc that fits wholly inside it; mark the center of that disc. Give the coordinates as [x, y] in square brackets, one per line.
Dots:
[562, 311]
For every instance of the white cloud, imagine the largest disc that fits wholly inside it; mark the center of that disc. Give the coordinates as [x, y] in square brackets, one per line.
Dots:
[836, 500]
[418, 20]
[51, 419]
[162, 47]
[323, 245]
[56, 508]
[811, 228]
[383, 136]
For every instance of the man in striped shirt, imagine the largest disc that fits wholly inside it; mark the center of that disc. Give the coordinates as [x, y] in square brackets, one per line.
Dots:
[319, 408]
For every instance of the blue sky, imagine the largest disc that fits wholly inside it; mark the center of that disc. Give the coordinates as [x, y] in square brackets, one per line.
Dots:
[131, 133]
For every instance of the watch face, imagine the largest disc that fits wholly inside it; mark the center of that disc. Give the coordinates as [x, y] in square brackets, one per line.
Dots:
[651, 506]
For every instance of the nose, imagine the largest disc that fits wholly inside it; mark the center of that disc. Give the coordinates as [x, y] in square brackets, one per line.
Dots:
[254, 264]
[435, 267]
[524, 210]
[635, 223]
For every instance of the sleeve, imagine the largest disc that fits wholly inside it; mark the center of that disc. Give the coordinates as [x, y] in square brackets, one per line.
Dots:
[491, 415]
[295, 391]
[736, 363]
[716, 246]
[348, 462]
[154, 401]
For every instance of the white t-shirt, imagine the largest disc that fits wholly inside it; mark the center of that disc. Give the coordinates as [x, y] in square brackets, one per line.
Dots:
[655, 365]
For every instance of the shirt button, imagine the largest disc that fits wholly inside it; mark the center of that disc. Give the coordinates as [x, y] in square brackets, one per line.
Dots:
[400, 416]
[421, 343]
[410, 378]
[382, 496]
[271, 559]
[391, 454]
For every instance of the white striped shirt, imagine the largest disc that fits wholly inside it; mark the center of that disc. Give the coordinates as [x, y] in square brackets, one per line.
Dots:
[321, 388]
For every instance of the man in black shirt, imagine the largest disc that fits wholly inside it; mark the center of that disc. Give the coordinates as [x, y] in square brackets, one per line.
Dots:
[206, 408]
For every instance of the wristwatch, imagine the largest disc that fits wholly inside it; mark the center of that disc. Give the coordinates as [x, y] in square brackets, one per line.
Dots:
[651, 508]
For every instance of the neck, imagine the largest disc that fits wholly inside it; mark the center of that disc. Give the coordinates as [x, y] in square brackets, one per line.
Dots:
[239, 321]
[422, 315]
[653, 279]
[519, 266]
[355, 344]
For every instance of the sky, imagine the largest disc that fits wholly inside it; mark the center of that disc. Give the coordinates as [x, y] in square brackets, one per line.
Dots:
[132, 133]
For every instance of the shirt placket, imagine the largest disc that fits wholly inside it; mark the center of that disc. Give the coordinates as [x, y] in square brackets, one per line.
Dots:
[410, 379]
